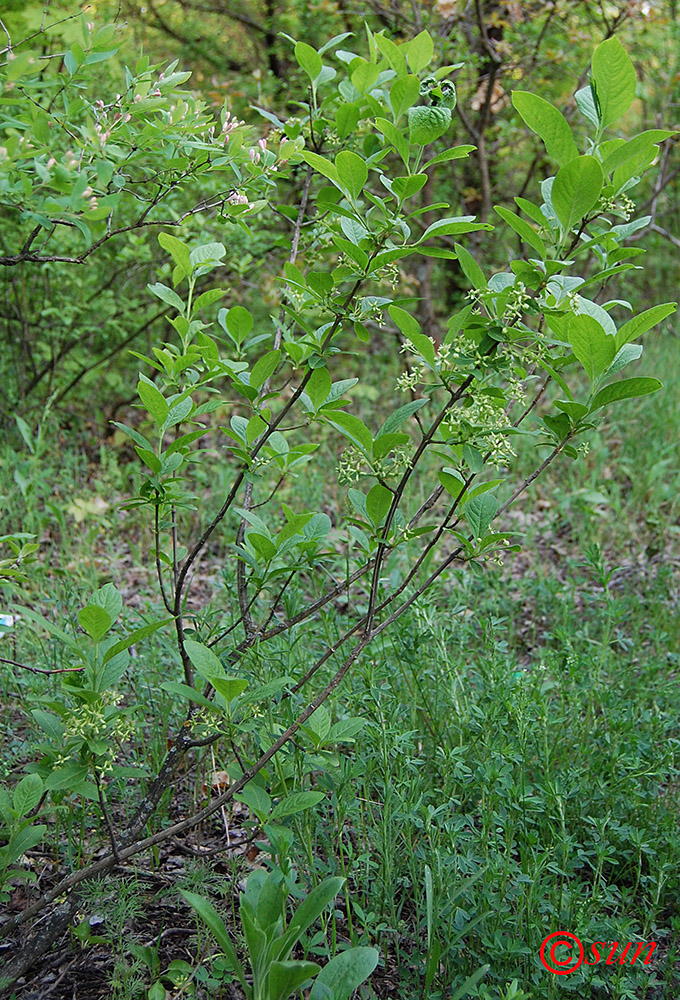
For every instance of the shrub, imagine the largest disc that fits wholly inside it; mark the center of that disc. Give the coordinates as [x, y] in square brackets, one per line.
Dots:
[423, 490]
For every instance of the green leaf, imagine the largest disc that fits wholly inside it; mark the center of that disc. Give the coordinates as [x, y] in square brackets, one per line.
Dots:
[185, 691]
[385, 443]
[394, 54]
[547, 122]
[285, 978]
[344, 974]
[96, 621]
[623, 357]
[635, 327]
[591, 345]
[523, 230]
[470, 267]
[466, 989]
[347, 118]
[533, 211]
[354, 429]
[255, 938]
[403, 95]
[178, 251]
[378, 502]
[309, 59]
[614, 76]
[50, 724]
[452, 484]
[70, 775]
[634, 147]
[627, 388]
[107, 597]
[24, 840]
[296, 802]
[204, 660]
[419, 51]
[207, 298]
[574, 410]
[319, 387]
[133, 434]
[406, 322]
[162, 291]
[229, 687]
[586, 105]
[207, 252]
[27, 794]
[453, 227]
[396, 419]
[425, 347]
[24, 62]
[345, 730]
[355, 232]
[480, 512]
[305, 915]
[322, 166]
[257, 800]
[406, 187]
[211, 918]
[237, 321]
[455, 153]
[576, 190]
[150, 459]
[153, 400]
[264, 368]
[395, 137]
[364, 76]
[427, 123]
[473, 458]
[352, 173]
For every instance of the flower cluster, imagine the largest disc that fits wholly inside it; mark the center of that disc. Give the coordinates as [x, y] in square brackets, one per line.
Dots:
[229, 124]
[411, 380]
[255, 152]
[447, 358]
[390, 274]
[518, 299]
[353, 465]
[621, 205]
[97, 723]
[481, 422]
[350, 467]
[238, 198]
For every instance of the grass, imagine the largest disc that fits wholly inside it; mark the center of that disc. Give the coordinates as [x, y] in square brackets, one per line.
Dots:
[518, 770]
[540, 799]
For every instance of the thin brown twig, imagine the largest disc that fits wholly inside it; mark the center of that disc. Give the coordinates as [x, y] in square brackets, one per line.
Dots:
[40, 670]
